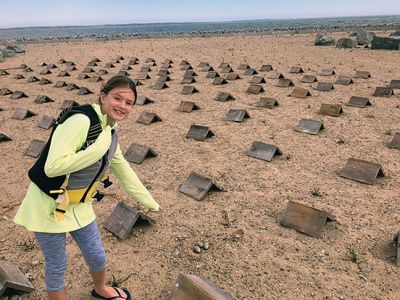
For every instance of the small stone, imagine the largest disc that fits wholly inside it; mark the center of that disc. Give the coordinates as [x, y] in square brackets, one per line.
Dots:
[29, 276]
[339, 141]
[363, 277]
[177, 253]
[35, 262]
[200, 244]
[237, 235]
[206, 246]
[196, 249]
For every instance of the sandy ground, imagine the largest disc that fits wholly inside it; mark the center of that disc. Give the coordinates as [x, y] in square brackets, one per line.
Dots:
[254, 257]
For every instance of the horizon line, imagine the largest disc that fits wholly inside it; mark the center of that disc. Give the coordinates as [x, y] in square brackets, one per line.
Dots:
[195, 22]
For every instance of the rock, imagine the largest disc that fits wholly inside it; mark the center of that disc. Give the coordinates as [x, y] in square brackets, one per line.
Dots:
[196, 249]
[365, 37]
[177, 253]
[1, 56]
[206, 246]
[35, 262]
[353, 33]
[386, 43]
[396, 33]
[346, 43]
[16, 48]
[323, 40]
[200, 244]
[339, 141]
[8, 52]
[29, 276]
[237, 235]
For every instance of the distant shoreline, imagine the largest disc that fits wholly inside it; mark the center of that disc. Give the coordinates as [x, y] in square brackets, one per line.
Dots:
[196, 29]
[194, 35]
[202, 22]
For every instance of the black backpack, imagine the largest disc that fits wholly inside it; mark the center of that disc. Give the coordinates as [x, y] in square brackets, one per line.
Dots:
[36, 173]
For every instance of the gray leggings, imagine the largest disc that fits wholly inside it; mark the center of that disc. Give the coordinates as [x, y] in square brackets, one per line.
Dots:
[54, 251]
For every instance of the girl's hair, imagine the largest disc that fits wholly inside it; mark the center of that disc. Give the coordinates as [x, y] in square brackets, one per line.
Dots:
[119, 81]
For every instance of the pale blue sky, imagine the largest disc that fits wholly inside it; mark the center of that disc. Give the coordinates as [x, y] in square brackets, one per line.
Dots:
[18, 13]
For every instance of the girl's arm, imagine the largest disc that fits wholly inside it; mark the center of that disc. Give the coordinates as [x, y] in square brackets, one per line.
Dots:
[131, 182]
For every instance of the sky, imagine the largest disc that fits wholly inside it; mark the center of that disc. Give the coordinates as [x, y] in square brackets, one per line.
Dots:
[23, 13]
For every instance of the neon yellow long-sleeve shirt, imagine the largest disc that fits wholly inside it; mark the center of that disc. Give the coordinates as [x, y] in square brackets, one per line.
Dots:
[36, 210]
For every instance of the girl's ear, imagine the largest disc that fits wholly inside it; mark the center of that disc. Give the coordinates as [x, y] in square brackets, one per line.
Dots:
[102, 96]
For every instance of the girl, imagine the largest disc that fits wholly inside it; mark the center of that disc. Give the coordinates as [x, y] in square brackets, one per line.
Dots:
[81, 147]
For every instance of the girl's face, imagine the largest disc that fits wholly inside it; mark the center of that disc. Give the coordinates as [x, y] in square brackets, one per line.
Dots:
[117, 104]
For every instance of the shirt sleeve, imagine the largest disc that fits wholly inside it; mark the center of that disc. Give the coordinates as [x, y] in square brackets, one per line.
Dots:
[130, 181]
[64, 156]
